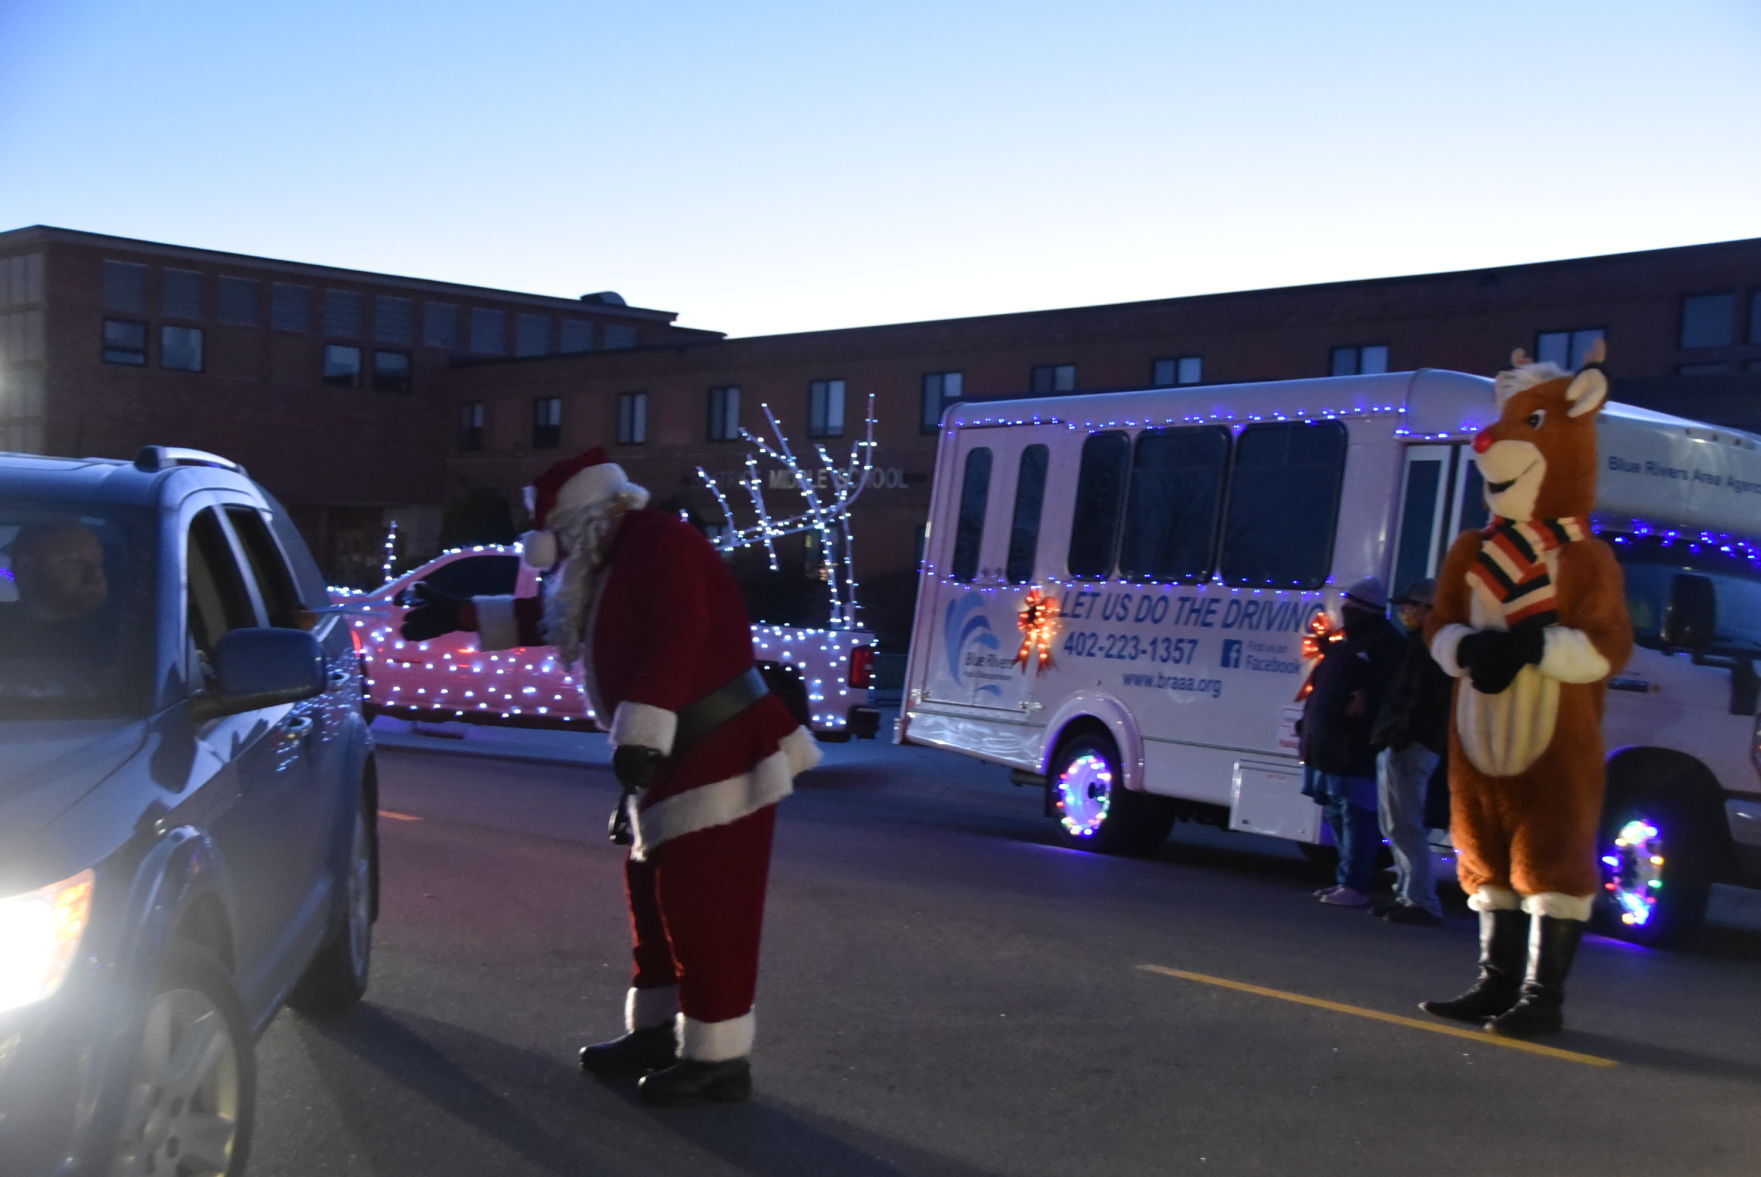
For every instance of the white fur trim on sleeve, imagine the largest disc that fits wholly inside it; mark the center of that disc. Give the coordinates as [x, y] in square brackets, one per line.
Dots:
[715, 1042]
[1494, 899]
[655, 1006]
[1560, 906]
[497, 627]
[1443, 648]
[1570, 656]
[642, 725]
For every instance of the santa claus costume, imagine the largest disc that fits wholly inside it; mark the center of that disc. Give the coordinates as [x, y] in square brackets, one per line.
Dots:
[651, 612]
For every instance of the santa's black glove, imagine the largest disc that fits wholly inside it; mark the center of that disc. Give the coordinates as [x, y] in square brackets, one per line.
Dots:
[636, 766]
[433, 614]
[1492, 657]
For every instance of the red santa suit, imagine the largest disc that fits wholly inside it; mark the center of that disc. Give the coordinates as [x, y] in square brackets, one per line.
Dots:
[663, 628]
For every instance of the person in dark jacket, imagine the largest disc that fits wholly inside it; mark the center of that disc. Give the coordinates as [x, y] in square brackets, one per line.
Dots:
[1349, 683]
[1412, 730]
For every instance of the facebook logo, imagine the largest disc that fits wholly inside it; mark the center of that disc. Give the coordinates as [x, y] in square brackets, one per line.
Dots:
[1231, 654]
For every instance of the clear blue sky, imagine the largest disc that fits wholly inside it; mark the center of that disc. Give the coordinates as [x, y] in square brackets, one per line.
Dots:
[765, 167]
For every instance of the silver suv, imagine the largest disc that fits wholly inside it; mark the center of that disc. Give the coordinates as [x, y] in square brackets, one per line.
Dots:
[187, 808]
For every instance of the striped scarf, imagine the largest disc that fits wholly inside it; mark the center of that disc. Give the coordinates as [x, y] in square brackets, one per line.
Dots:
[1512, 565]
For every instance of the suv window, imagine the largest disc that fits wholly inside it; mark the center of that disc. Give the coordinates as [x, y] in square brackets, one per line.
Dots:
[477, 576]
[268, 566]
[75, 609]
[218, 602]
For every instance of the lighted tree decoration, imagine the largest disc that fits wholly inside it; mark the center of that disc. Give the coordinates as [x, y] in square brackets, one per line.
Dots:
[825, 512]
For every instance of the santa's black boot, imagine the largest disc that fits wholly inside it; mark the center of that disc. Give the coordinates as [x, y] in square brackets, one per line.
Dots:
[1553, 945]
[1501, 966]
[694, 1081]
[647, 1049]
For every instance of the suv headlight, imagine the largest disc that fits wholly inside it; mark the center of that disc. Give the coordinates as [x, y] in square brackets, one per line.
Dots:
[39, 934]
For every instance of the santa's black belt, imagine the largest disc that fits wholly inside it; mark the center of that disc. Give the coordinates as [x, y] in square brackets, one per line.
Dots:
[716, 708]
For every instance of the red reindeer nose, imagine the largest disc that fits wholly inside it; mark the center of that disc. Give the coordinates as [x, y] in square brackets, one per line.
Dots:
[1483, 441]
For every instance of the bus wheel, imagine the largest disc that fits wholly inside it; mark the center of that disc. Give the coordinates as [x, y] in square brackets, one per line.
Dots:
[1656, 877]
[1094, 809]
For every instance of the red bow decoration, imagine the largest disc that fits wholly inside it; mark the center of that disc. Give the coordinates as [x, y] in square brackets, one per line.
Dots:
[1038, 621]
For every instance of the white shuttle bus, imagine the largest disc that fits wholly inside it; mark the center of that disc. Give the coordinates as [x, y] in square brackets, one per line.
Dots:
[1116, 589]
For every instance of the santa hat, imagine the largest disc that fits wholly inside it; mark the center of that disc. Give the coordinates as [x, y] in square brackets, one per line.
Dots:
[567, 486]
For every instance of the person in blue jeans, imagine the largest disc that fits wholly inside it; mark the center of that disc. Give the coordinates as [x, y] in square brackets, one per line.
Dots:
[1412, 730]
[1348, 685]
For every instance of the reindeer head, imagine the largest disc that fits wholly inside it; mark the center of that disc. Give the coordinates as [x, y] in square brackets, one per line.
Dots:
[1539, 457]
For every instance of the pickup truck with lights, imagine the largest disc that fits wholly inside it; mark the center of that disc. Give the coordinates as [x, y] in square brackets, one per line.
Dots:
[823, 674]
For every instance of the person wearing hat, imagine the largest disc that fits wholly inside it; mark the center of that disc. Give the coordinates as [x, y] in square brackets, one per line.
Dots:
[1334, 735]
[652, 615]
[1412, 731]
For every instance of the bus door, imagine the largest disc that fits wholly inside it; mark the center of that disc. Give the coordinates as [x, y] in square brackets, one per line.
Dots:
[1441, 496]
[984, 551]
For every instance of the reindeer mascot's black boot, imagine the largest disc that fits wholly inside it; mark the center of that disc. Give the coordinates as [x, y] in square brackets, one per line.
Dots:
[1501, 970]
[1553, 944]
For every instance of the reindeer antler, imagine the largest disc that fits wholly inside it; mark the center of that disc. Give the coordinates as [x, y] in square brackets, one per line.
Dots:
[1519, 358]
[1598, 351]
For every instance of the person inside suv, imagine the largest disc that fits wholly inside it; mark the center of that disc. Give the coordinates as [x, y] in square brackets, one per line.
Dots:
[61, 622]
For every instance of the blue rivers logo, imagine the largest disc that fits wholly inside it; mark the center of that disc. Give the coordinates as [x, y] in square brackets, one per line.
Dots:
[965, 625]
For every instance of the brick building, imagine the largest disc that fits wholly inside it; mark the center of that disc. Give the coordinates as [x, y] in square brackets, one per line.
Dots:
[95, 357]
[325, 383]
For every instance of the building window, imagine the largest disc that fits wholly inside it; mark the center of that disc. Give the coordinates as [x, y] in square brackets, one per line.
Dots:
[290, 307]
[1707, 319]
[531, 334]
[391, 371]
[825, 408]
[342, 366]
[342, 313]
[577, 337]
[394, 318]
[1054, 378]
[180, 294]
[1165, 373]
[1702, 369]
[470, 435]
[1359, 360]
[633, 418]
[180, 348]
[237, 305]
[125, 287]
[940, 389]
[547, 422]
[440, 324]
[1755, 318]
[724, 413]
[616, 335]
[489, 331]
[125, 342]
[1566, 349]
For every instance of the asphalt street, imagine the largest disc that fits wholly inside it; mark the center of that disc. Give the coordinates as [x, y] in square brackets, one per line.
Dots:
[944, 992]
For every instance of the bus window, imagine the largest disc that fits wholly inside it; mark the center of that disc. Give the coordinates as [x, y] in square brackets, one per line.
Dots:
[1283, 502]
[1421, 514]
[1171, 518]
[1030, 495]
[1100, 492]
[975, 493]
[1474, 514]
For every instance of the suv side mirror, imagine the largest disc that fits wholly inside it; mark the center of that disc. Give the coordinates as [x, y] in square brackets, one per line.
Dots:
[255, 668]
[1691, 618]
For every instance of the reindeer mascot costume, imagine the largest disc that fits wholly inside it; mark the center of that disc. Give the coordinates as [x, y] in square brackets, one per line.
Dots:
[1531, 617]
[652, 613]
